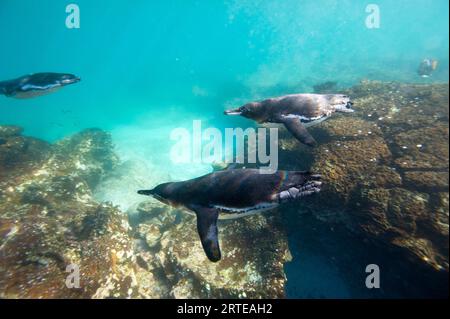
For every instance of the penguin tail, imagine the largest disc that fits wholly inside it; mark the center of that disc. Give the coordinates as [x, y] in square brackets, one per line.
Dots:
[2, 88]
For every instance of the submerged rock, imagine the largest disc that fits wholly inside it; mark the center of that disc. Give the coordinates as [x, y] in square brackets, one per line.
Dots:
[385, 173]
[10, 130]
[49, 221]
[120, 185]
[150, 233]
[385, 168]
[254, 251]
[89, 153]
[19, 154]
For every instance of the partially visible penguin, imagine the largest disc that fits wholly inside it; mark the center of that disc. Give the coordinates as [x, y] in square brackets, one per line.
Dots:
[427, 67]
[296, 111]
[233, 193]
[37, 84]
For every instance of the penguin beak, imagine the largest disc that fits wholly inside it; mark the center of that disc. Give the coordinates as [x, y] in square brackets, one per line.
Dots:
[152, 192]
[147, 192]
[233, 112]
[70, 80]
[349, 107]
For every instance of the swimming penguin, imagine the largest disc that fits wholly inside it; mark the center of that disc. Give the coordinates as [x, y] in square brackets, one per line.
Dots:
[233, 193]
[220, 165]
[296, 111]
[426, 67]
[37, 84]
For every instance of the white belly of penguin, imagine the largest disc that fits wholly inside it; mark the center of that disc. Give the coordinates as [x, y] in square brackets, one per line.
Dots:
[306, 121]
[31, 94]
[233, 212]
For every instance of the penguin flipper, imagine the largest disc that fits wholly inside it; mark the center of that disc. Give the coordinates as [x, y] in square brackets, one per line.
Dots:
[207, 229]
[299, 131]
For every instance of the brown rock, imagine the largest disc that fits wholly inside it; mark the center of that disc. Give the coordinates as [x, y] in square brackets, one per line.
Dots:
[49, 221]
[254, 250]
[390, 185]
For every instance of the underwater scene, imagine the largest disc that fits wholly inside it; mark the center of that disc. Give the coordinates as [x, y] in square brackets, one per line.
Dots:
[224, 149]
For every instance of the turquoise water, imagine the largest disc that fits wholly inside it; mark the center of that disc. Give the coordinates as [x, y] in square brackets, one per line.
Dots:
[163, 60]
[148, 67]
[152, 66]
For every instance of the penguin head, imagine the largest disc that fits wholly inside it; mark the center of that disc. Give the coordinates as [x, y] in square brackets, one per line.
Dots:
[341, 103]
[160, 192]
[426, 67]
[250, 110]
[66, 79]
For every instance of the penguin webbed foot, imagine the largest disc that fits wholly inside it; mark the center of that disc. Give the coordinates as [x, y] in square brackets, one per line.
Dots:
[311, 186]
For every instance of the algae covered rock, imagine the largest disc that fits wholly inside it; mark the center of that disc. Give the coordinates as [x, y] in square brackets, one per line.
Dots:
[150, 233]
[385, 174]
[154, 213]
[89, 153]
[19, 154]
[10, 130]
[254, 251]
[385, 168]
[50, 226]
